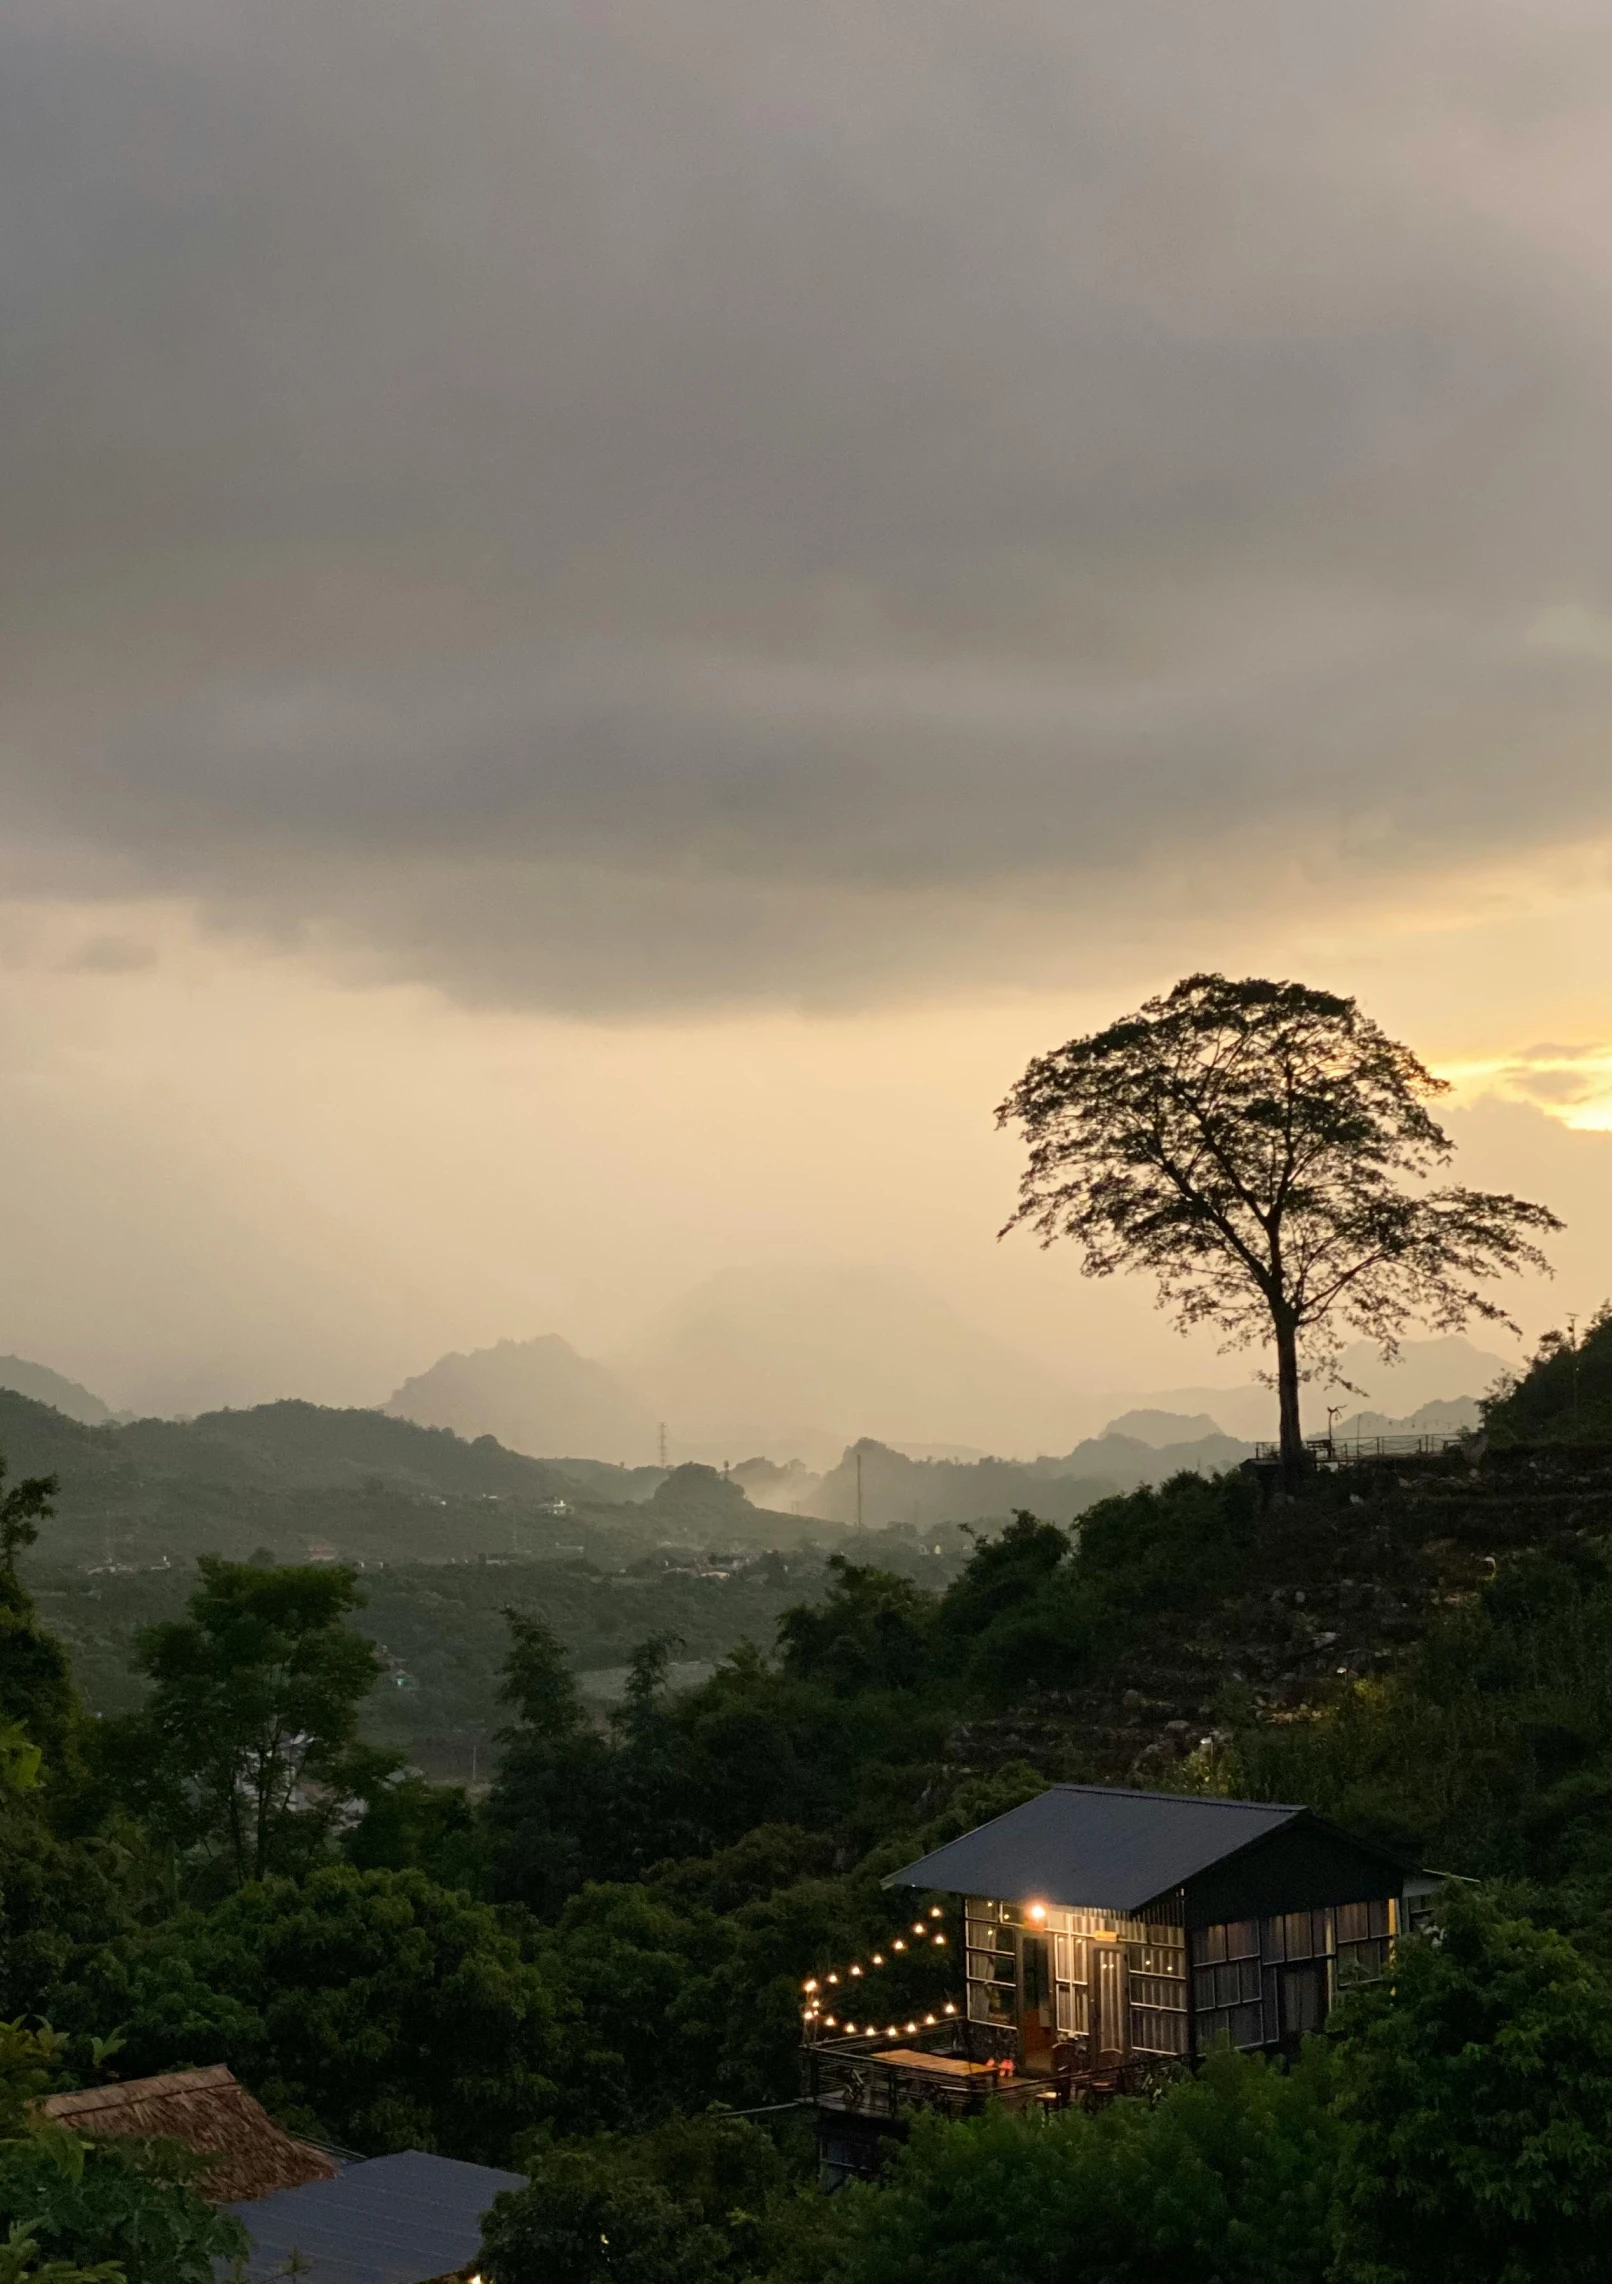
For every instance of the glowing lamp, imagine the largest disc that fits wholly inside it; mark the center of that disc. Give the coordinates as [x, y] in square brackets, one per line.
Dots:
[935, 1911]
[878, 1958]
[1038, 1912]
[898, 1945]
[833, 1978]
[856, 1970]
[918, 1927]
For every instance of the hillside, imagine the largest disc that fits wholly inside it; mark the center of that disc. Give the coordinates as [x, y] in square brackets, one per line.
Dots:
[293, 1477]
[47, 1387]
[884, 1485]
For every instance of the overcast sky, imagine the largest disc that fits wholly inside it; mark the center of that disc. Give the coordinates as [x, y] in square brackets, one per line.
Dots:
[610, 612]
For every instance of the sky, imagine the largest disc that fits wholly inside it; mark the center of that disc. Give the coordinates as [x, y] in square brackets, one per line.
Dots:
[608, 615]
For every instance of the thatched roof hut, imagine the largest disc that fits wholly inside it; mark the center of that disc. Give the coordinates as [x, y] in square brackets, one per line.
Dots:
[209, 2112]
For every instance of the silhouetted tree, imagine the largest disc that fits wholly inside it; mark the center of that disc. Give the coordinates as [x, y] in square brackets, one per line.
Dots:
[22, 1509]
[1264, 1149]
[252, 1724]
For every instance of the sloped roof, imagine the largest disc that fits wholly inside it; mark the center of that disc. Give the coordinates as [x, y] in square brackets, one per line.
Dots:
[1096, 1847]
[392, 2220]
[208, 2111]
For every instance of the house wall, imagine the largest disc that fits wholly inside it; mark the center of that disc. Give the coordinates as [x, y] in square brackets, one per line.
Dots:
[1257, 1982]
[1153, 1985]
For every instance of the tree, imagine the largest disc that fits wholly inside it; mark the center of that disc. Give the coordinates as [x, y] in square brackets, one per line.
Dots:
[94, 2212]
[1227, 2178]
[1264, 1151]
[550, 1776]
[680, 2205]
[253, 1718]
[22, 1509]
[372, 2007]
[1477, 2097]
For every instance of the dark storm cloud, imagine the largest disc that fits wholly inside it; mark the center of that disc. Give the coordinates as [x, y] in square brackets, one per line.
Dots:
[600, 505]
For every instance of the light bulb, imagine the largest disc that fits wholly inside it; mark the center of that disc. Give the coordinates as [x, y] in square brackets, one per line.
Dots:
[856, 1970]
[929, 2018]
[948, 2008]
[898, 1945]
[935, 1911]
[878, 1958]
[808, 1986]
[833, 1978]
[1038, 1912]
[940, 1938]
[917, 1927]
[912, 2026]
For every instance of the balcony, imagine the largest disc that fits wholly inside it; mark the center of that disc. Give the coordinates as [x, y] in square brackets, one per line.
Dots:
[959, 2069]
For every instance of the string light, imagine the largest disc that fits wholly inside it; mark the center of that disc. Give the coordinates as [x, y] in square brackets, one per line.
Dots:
[812, 2013]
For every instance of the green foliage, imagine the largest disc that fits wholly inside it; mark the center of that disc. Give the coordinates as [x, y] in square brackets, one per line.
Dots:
[126, 2207]
[22, 1509]
[1225, 2180]
[115, 2209]
[676, 2206]
[1477, 2092]
[36, 1687]
[871, 1632]
[253, 1716]
[1490, 1751]
[377, 2009]
[22, 2262]
[550, 1776]
[1565, 1396]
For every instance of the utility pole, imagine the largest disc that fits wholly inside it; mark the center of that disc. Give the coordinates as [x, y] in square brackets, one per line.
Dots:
[1572, 1342]
[663, 1443]
[859, 1490]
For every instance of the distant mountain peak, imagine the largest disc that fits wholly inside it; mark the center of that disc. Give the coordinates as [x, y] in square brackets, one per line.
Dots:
[47, 1387]
[537, 1396]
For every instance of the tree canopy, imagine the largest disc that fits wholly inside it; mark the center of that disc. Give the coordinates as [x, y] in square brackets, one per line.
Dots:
[253, 1715]
[1265, 1152]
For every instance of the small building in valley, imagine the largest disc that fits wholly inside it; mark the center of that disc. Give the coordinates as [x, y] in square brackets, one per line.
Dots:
[325, 2216]
[1107, 1932]
[208, 2111]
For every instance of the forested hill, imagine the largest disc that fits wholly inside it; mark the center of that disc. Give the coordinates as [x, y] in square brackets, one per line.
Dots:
[279, 1475]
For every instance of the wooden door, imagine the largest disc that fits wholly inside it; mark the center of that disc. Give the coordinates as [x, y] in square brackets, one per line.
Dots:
[1038, 2025]
[1111, 2025]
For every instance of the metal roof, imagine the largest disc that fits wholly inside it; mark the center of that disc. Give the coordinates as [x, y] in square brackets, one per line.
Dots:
[1095, 1847]
[389, 2220]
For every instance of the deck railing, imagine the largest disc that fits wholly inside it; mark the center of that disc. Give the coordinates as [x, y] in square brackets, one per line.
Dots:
[956, 2069]
[1333, 1449]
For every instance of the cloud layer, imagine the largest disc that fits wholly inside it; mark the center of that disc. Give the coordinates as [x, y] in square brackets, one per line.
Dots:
[613, 508]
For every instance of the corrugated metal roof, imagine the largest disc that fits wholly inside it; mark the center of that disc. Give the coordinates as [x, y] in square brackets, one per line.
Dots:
[1095, 1847]
[391, 2220]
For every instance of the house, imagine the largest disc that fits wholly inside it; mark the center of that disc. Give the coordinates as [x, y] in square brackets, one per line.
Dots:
[208, 2111]
[1105, 1932]
[408, 2219]
[310, 2213]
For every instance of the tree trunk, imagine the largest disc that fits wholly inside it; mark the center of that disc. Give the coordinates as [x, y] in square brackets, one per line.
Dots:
[1287, 1398]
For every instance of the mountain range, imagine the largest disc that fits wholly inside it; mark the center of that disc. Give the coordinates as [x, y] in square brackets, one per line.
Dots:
[801, 1363]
